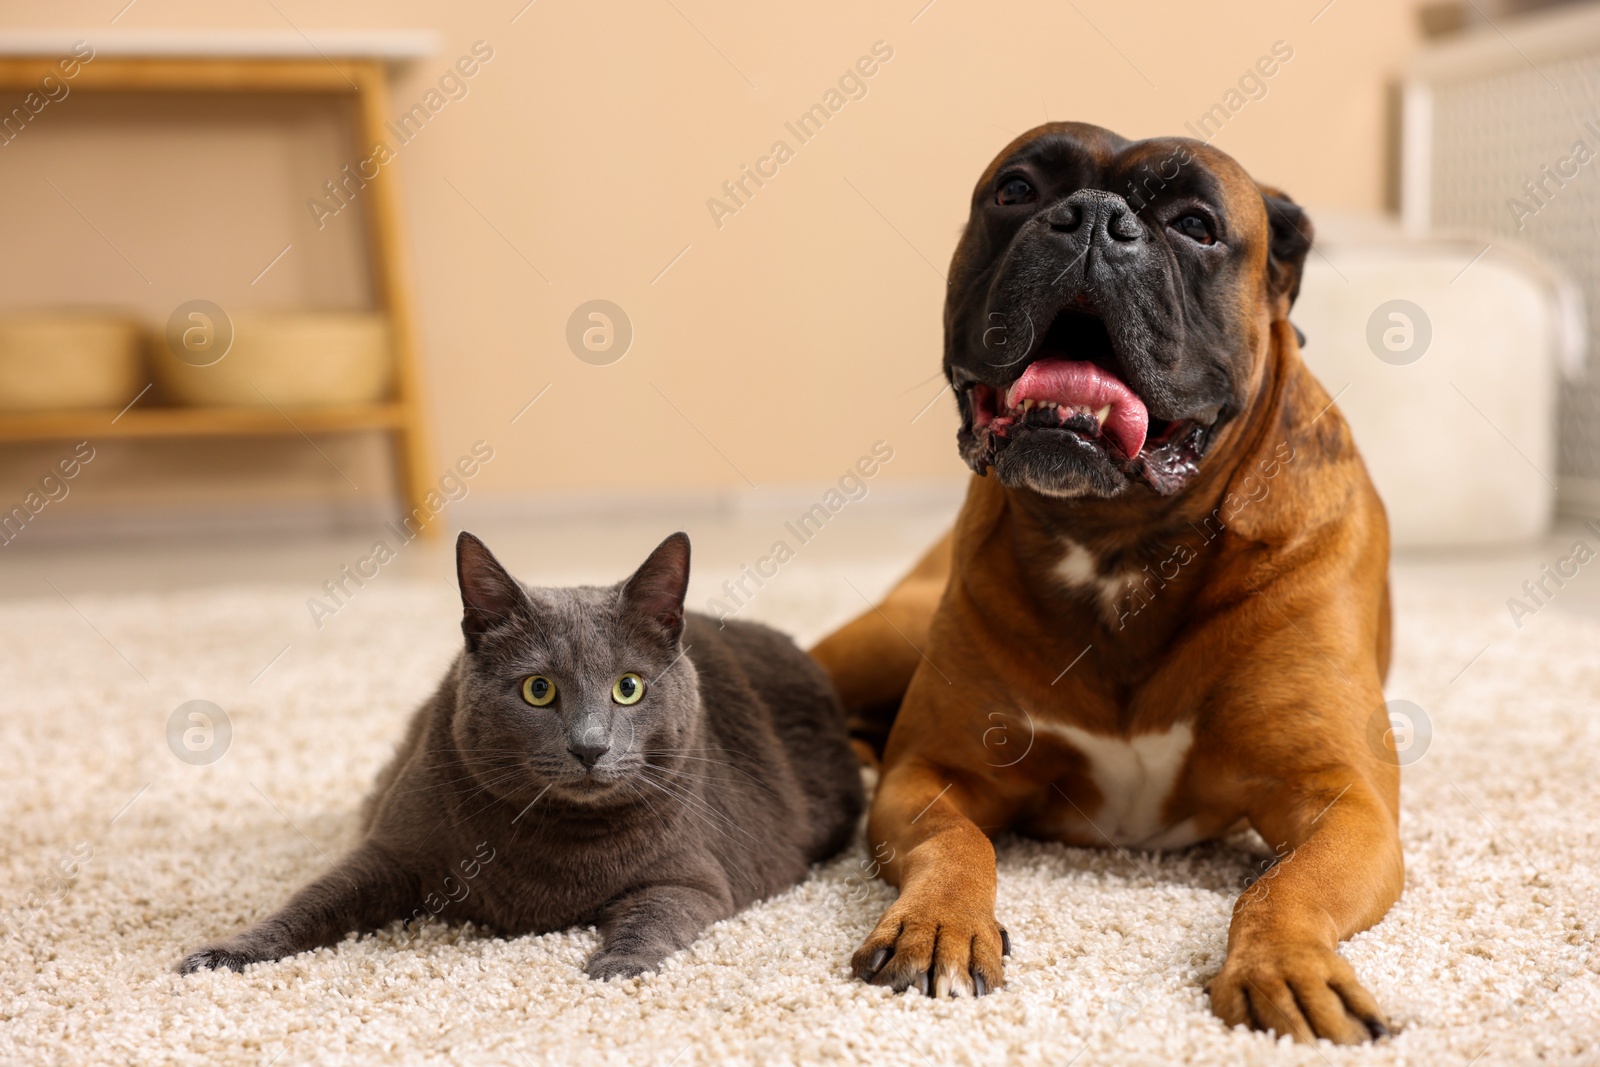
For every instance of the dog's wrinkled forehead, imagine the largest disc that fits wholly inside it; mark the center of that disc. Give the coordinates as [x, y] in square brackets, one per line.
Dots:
[1111, 305]
[1068, 156]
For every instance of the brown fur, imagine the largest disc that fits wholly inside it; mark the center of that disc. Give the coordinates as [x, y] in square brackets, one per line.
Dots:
[1272, 642]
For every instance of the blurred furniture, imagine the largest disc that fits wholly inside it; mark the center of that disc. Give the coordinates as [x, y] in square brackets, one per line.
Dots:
[1452, 394]
[334, 64]
[1444, 18]
[1501, 136]
[93, 360]
[311, 359]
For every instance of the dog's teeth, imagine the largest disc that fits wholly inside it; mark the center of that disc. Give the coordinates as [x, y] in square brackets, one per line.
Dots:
[1100, 416]
[1027, 405]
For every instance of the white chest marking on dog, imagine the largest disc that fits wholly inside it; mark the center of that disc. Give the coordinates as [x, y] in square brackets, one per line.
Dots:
[1135, 777]
[1078, 566]
[1080, 569]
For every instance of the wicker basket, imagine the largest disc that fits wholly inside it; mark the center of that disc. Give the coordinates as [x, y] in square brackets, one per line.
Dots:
[65, 360]
[290, 359]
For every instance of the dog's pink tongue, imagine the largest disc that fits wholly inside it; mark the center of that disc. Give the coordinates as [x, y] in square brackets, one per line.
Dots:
[1084, 385]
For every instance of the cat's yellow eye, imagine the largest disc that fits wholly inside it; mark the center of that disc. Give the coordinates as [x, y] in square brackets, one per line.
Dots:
[538, 690]
[627, 689]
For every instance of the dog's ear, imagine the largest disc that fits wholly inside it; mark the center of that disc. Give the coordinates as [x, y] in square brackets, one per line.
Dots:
[1290, 235]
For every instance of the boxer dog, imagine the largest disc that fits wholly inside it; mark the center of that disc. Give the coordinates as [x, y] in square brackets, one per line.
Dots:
[1163, 611]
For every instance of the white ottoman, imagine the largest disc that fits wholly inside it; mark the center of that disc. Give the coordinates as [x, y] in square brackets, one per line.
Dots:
[1446, 368]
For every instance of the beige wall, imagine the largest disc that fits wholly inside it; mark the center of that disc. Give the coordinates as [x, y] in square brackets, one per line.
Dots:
[803, 329]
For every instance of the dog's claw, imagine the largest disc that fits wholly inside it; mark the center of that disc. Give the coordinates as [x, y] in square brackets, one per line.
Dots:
[1005, 942]
[1376, 1028]
[936, 944]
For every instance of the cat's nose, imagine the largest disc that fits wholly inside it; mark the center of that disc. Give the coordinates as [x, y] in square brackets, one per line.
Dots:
[588, 752]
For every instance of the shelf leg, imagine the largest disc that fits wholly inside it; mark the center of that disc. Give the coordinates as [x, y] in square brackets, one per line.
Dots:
[414, 457]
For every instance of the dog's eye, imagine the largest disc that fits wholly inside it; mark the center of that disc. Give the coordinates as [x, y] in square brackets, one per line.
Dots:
[1194, 227]
[1016, 191]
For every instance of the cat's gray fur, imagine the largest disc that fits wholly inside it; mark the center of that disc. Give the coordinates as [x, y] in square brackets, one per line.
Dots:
[719, 787]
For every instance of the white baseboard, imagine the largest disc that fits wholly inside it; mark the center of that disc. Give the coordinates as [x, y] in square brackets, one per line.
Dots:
[66, 526]
[582, 504]
[1579, 497]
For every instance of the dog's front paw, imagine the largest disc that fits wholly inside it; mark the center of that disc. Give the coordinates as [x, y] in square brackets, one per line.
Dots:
[938, 941]
[1302, 989]
[603, 965]
[231, 955]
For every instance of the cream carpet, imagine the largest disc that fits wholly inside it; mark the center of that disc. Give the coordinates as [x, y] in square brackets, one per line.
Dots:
[1491, 957]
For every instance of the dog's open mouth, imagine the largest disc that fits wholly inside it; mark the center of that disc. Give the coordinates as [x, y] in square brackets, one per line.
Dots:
[1072, 389]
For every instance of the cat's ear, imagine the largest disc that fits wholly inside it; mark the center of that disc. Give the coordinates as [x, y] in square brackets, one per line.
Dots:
[656, 590]
[489, 595]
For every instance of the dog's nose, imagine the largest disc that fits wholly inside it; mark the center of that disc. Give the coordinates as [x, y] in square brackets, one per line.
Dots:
[1100, 214]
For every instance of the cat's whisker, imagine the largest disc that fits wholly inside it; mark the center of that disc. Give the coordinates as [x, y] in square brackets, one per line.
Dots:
[693, 753]
[671, 665]
[531, 803]
[494, 771]
[429, 786]
[709, 763]
[733, 867]
[696, 804]
[712, 779]
[682, 802]
[688, 753]
[486, 786]
[634, 791]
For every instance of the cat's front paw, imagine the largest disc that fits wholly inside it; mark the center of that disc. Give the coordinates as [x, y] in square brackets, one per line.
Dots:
[227, 955]
[603, 965]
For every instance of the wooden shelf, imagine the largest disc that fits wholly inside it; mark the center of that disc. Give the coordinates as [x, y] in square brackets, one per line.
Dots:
[186, 75]
[394, 46]
[279, 62]
[198, 422]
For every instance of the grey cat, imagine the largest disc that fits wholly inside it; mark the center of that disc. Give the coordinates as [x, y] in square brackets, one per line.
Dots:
[594, 755]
